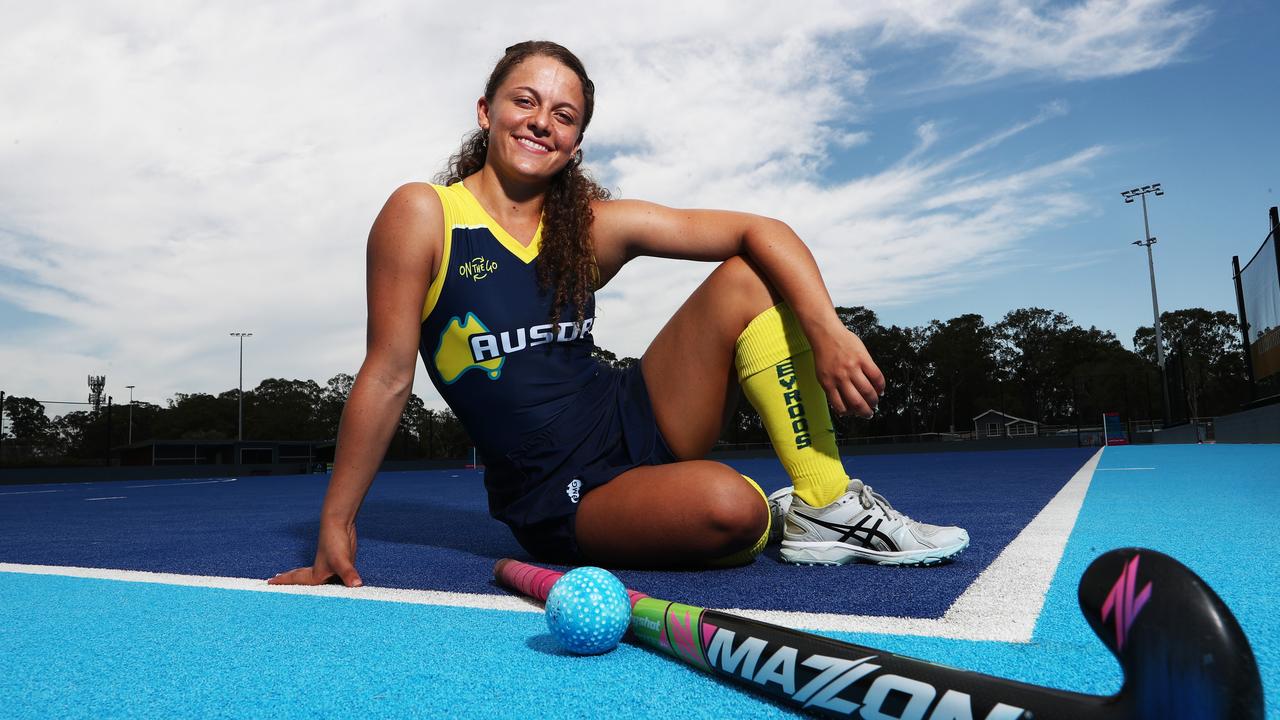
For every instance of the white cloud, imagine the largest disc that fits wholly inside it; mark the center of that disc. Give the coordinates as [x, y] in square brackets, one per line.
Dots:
[1076, 41]
[176, 174]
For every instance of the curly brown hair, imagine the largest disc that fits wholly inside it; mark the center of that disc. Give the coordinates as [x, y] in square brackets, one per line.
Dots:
[566, 261]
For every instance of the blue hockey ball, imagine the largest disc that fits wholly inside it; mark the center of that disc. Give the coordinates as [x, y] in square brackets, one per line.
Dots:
[588, 611]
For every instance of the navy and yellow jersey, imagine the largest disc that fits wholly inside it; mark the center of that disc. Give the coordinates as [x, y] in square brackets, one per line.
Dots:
[489, 346]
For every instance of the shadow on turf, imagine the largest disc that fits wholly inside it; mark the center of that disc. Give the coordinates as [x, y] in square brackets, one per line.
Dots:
[547, 645]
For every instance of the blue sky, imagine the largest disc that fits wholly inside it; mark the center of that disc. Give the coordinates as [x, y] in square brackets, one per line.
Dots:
[1200, 124]
[176, 175]
[1203, 125]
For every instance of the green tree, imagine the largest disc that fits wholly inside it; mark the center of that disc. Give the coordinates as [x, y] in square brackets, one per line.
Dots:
[1099, 373]
[454, 442]
[1029, 340]
[145, 418]
[332, 400]
[612, 360]
[280, 409]
[409, 431]
[80, 434]
[199, 416]
[1210, 358]
[864, 323]
[961, 353]
[908, 403]
[32, 435]
[860, 320]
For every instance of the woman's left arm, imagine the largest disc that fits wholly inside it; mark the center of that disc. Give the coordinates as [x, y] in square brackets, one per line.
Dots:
[626, 229]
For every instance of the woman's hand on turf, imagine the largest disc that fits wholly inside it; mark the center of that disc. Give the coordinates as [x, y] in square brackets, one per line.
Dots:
[846, 372]
[335, 558]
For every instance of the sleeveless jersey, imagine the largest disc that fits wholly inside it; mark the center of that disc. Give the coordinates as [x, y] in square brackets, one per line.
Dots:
[487, 341]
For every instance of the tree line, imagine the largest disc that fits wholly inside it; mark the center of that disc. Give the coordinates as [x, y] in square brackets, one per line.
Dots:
[1034, 363]
[1039, 365]
[275, 410]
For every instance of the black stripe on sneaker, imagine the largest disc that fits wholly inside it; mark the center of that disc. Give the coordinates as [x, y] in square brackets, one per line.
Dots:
[860, 532]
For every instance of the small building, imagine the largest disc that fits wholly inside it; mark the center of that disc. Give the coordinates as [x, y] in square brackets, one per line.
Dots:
[994, 423]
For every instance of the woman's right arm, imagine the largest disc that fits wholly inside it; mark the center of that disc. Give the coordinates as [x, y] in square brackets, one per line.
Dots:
[403, 254]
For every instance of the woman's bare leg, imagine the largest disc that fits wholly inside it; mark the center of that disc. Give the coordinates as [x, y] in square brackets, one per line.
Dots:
[695, 511]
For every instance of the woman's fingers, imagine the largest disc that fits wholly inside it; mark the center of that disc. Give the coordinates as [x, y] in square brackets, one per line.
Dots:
[347, 572]
[856, 384]
[299, 576]
[875, 376]
[851, 391]
[858, 402]
[866, 388]
[318, 575]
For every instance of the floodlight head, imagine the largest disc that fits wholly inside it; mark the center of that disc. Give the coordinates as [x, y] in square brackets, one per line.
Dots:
[1128, 199]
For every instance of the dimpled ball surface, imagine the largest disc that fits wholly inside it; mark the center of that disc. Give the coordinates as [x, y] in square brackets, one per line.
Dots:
[588, 611]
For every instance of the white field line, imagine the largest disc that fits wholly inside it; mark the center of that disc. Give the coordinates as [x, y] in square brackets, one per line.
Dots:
[417, 597]
[179, 484]
[1002, 604]
[127, 487]
[113, 497]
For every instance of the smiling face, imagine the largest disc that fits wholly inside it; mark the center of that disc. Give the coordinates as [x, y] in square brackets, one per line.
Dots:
[534, 120]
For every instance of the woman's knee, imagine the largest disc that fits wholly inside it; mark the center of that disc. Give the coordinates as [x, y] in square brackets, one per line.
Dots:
[743, 276]
[734, 512]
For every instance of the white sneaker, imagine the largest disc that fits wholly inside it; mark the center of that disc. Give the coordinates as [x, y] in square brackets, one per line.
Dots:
[779, 504]
[861, 525]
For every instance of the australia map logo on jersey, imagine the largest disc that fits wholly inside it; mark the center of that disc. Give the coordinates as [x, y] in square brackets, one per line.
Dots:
[468, 343]
[453, 355]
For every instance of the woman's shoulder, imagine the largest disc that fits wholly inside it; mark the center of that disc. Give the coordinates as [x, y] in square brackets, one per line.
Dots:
[414, 210]
[414, 201]
[418, 193]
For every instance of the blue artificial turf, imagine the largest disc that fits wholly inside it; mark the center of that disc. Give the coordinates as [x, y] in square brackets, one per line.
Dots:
[431, 530]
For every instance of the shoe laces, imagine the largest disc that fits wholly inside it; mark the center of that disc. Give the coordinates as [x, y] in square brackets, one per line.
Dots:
[870, 498]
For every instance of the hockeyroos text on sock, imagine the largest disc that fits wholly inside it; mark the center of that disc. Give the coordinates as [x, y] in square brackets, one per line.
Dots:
[795, 409]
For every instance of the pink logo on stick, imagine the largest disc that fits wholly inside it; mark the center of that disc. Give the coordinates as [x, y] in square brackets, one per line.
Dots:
[1124, 602]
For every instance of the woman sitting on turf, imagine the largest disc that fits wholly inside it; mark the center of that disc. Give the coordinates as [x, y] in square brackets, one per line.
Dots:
[490, 276]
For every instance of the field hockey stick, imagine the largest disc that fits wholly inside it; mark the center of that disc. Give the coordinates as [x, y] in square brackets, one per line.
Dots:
[1182, 652]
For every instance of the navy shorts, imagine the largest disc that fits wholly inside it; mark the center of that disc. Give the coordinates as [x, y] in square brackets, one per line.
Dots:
[607, 430]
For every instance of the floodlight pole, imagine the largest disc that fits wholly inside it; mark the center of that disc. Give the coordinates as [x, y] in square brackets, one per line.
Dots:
[240, 422]
[1151, 267]
[131, 387]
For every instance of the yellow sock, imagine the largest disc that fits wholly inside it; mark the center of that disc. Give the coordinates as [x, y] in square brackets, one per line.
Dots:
[742, 557]
[775, 369]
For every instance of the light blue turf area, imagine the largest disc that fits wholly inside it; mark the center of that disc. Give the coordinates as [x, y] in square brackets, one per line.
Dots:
[99, 648]
[1213, 507]
[84, 648]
